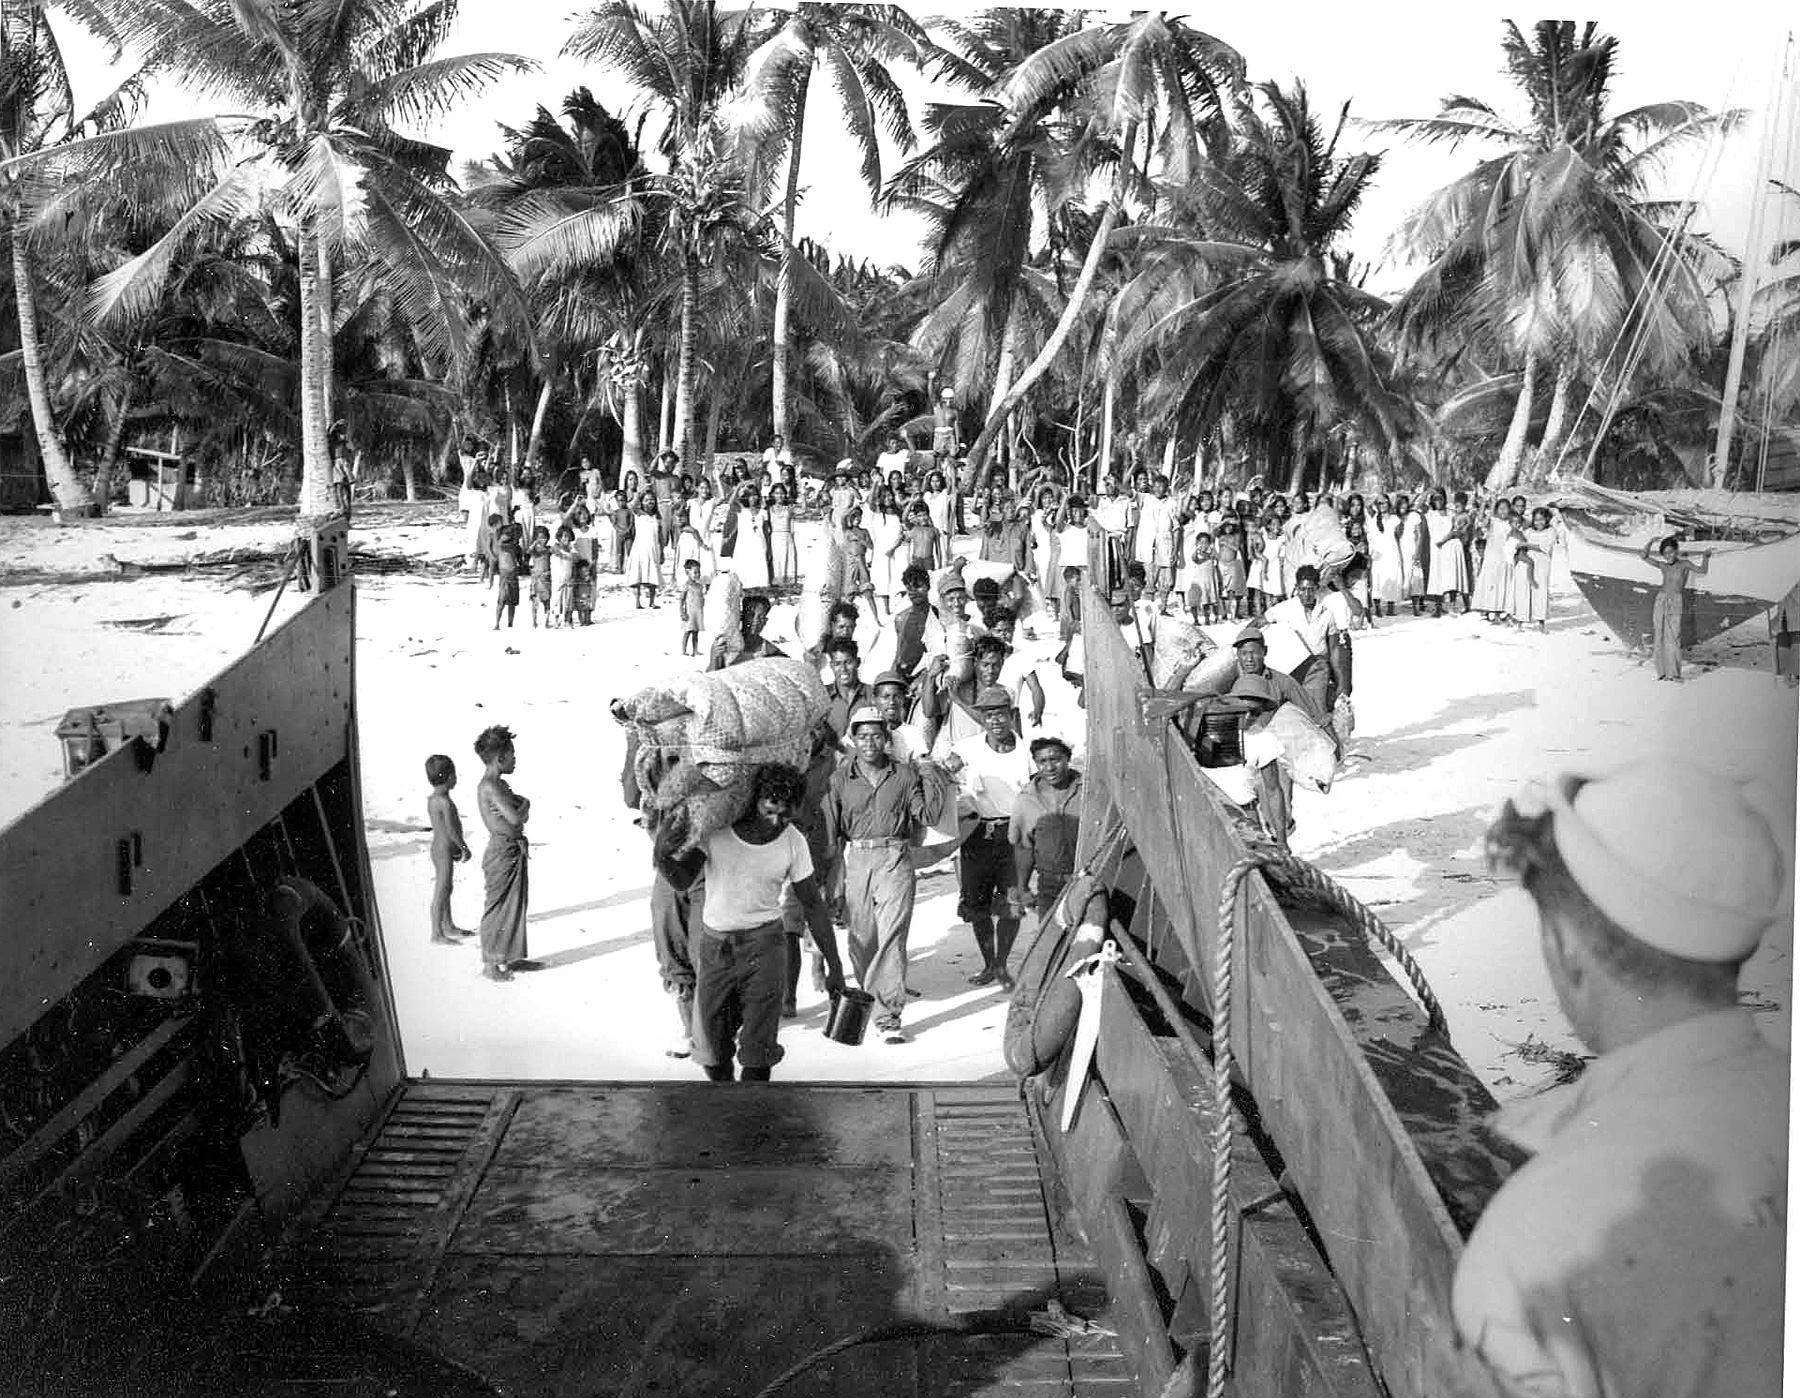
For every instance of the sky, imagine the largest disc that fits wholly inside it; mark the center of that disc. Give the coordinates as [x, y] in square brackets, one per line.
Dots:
[1386, 60]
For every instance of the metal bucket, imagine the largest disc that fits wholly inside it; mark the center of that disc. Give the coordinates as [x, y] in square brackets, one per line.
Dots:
[849, 1018]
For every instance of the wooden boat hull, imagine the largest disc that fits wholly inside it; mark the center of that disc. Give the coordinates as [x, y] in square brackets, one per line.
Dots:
[1741, 582]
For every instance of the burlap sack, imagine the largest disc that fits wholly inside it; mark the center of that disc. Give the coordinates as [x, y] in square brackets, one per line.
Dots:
[1307, 752]
[1179, 648]
[699, 762]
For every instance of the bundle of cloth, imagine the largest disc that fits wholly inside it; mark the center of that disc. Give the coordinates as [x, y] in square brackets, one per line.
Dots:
[1323, 542]
[724, 610]
[701, 737]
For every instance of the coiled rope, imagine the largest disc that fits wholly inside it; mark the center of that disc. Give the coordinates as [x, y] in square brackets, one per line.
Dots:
[1294, 873]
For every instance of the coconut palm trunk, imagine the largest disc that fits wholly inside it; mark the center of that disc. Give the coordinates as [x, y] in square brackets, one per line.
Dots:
[715, 410]
[631, 424]
[316, 497]
[782, 408]
[665, 422]
[115, 443]
[1557, 425]
[690, 334]
[71, 496]
[1109, 406]
[1065, 326]
[535, 445]
[1512, 450]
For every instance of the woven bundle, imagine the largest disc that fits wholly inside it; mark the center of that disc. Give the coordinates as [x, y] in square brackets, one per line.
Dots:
[702, 737]
[1322, 537]
[1306, 749]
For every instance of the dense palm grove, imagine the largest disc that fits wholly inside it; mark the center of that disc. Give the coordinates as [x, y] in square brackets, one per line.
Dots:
[1134, 251]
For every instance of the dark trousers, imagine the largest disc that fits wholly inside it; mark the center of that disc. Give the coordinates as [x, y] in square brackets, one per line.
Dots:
[740, 978]
[985, 872]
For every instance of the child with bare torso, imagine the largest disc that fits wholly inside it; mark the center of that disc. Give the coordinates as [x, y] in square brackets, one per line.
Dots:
[503, 866]
[448, 847]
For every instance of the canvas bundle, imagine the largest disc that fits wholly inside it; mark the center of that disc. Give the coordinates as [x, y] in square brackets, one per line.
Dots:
[1179, 649]
[724, 606]
[702, 737]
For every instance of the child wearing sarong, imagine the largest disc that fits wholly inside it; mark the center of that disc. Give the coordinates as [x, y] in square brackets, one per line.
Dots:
[503, 866]
[1671, 601]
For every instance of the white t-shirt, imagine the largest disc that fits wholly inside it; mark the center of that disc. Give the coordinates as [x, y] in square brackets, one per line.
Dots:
[1311, 629]
[1113, 512]
[744, 881]
[989, 781]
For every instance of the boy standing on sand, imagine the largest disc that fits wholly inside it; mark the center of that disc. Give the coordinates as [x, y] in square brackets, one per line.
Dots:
[506, 569]
[448, 847]
[503, 867]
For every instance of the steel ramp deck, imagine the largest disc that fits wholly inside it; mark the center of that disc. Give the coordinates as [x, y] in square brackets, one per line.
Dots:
[577, 1240]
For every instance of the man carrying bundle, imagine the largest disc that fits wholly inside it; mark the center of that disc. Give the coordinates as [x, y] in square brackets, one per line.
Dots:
[741, 949]
[1325, 672]
[875, 809]
[1260, 692]
[1642, 1248]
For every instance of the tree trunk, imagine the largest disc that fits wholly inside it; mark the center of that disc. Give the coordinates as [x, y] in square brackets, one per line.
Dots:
[1003, 374]
[1168, 461]
[445, 457]
[409, 473]
[1512, 450]
[1556, 427]
[317, 499]
[115, 442]
[1065, 325]
[782, 409]
[512, 428]
[1109, 405]
[631, 450]
[690, 336]
[537, 419]
[70, 494]
[715, 411]
[666, 423]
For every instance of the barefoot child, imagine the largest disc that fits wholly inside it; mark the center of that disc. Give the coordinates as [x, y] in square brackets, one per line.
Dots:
[1671, 600]
[503, 867]
[540, 573]
[584, 592]
[448, 847]
[563, 558]
[693, 604]
[506, 568]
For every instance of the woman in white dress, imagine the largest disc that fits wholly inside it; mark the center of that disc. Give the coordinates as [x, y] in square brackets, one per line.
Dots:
[472, 500]
[703, 512]
[884, 525]
[938, 503]
[643, 569]
[1449, 563]
[1387, 579]
[1494, 583]
[750, 560]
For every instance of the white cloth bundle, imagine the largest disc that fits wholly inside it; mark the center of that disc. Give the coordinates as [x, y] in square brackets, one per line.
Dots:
[724, 603]
[701, 737]
[1307, 751]
[1179, 649]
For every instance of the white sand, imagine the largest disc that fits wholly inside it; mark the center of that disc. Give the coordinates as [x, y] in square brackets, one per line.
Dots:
[1452, 715]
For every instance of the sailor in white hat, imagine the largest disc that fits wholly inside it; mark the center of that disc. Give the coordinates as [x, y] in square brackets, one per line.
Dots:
[1641, 1249]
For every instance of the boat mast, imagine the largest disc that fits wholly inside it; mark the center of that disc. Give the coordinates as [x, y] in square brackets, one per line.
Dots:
[1754, 254]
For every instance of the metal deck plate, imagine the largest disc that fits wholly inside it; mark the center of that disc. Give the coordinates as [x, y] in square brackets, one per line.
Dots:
[575, 1241]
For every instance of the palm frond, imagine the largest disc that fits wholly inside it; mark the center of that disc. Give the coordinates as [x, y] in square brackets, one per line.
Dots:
[437, 87]
[132, 289]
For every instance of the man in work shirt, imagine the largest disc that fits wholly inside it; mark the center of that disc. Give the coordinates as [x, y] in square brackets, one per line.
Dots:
[875, 809]
[990, 768]
[1641, 1249]
[1046, 822]
[1322, 675]
[846, 691]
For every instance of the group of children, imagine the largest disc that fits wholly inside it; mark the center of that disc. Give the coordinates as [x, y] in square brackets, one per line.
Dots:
[561, 578]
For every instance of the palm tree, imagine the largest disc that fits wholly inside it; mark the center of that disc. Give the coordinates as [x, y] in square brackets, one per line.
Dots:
[334, 77]
[1148, 77]
[50, 156]
[686, 60]
[1551, 247]
[853, 44]
[1252, 319]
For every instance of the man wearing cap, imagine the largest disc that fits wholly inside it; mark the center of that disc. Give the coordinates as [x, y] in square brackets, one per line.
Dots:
[906, 741]
[875, 809]
[1260, 691]
[990, 768]
[1641, 1249]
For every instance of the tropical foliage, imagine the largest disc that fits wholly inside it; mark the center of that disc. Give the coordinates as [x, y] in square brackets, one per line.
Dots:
[1130, 251]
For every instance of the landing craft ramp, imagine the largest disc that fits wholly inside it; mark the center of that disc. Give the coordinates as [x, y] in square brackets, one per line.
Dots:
[587, 1239]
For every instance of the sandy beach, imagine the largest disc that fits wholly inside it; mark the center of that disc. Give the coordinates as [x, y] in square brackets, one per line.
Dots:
[1452, 715]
